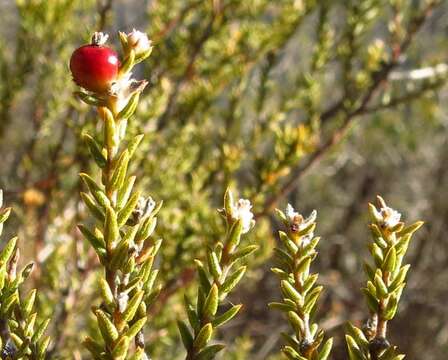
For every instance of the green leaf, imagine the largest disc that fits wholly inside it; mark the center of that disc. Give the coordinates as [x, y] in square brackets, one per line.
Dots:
[233, 280]
[309, 283]
[28, 302]
[358, 336]
[310, 247]
[370, 272]
[4, 214]
[228, 201]
[227, 316]
[304, 266]
[192, 315]
[381, 287]
[326, 349]
[92, 206]
[372, 302]
[289, 245]
[377, 254]
[125, 191]
[203, 336]
[128, 63]
[291, 293]
[136, 327]
[211, 302]
[390, 260]
[133, 305]
[106, 292]
[110, 131]
[134, 143]
[123, 214]
[130, 107]
[296, 322]
[89, 99]
[42, 348]
[311, 299]
[284, 257]
[353, 351]
[95, 189]
[209, 352]
[213, 264]
[308, 230]
[282, 217]
[121, 168]
[246, 251]
[111, 233]
[391, 308]
[185, 334]
[121, 348]
[409, 230]
[234, 236]
[8, 250]
[40, 331]
[399, 278]
[94, 348]
[146, 229]
[96, 242]
[95, 150]
[281, 306]
[292, 354]
[107, 328]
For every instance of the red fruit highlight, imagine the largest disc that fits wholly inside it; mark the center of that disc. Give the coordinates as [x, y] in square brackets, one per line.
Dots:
[94, 67]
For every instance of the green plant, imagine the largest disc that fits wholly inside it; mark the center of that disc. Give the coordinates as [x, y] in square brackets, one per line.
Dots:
[386, 281]
[21, 332]
[223, 272]
[298, 285]
[122, 234]
[263, 95]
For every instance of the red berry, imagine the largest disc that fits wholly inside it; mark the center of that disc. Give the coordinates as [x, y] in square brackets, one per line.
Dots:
[94, 67]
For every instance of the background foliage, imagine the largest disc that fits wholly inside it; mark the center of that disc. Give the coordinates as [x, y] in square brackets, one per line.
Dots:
[311, 102]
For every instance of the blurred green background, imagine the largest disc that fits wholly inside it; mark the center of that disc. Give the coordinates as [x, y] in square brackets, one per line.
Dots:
[313, 102]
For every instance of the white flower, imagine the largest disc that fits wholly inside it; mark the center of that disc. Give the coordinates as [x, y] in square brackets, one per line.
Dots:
[389, 217]
[146, 205]
[139, 42]
[242, 211]
[123, 88]
[290, 212]
[386, 216]
[99, 38]
[297, 219]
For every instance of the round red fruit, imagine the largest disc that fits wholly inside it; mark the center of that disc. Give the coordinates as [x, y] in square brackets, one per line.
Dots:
[94, 67]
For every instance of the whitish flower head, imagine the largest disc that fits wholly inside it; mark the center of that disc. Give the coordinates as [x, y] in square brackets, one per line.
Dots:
[388, 217]
[242, 211]
[123, 88]
[139, 41]
[297, 221]
[145, 205]
[99, 38]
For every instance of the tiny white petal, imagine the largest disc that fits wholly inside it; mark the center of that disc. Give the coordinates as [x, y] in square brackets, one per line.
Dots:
[312, 218]
[290, 212]
[242, 211]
